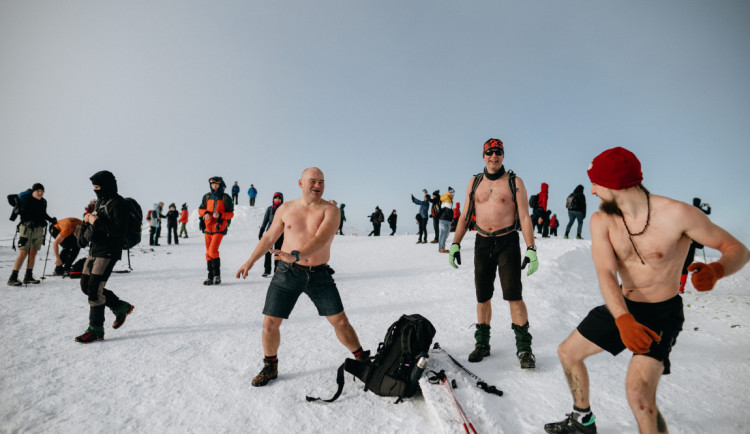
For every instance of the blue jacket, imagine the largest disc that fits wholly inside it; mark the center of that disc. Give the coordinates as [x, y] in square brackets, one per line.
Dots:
[252, 192]
[424, 205]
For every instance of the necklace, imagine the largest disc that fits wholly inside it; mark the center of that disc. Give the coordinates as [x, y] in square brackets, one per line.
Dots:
[648, 219]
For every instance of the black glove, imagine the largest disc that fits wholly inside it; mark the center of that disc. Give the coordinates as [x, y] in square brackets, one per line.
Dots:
[53, 220]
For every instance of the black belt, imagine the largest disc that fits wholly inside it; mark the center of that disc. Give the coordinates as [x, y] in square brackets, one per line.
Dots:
[313, 268]
[499, 232]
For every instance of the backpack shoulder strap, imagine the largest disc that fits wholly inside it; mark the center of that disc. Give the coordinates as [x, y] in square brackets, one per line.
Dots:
[513, 190]
[470, 210]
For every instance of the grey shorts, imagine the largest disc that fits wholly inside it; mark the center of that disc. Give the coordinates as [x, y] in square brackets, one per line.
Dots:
[289, 281]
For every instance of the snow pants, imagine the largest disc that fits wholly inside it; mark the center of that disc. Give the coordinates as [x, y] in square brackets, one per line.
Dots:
[212, 245]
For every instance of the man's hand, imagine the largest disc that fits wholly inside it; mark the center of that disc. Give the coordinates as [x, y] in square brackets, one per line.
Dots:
[454, 255]
[206, 217]
[705, 275]
[636, 336]
[242, 272]
[531, 260]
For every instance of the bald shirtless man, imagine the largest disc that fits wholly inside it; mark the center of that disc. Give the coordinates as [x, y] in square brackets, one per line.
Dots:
[497, 249]
[309, 224]
[643, 239]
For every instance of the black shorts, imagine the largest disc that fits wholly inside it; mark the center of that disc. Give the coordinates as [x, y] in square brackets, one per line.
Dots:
[290, 281]
[665, 318]
[498, 253]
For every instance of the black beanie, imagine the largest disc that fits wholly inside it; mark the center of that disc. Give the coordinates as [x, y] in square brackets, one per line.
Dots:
[37, 186]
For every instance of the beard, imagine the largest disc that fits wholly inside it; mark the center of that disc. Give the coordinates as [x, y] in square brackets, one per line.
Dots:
[610, 207]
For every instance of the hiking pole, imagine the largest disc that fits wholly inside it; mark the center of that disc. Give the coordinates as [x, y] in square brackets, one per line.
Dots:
[46, 258]
[480, 383]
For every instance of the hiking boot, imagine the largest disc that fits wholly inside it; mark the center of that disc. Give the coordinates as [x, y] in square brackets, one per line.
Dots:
[527, 360]
[566, 236]
[433, 242]
[210, 279]
[578, 237]
[120, 317]
[479, 353]
[29, 278]
[216, 263]
[269, 372]
[217, 280]
[92, 334]
[364, 356]
[13, 279]
[266, 274]
[571, 425]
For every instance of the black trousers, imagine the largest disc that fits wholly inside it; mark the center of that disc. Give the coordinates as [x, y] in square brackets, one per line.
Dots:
[267, 259]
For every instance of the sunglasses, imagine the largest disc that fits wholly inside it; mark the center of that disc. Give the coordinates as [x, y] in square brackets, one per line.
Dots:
[498, 152]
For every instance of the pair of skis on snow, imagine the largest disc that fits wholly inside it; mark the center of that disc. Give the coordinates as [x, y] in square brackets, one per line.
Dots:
[438, 403]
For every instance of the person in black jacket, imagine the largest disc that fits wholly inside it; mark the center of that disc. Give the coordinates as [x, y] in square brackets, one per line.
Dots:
[376, 219]
[392, 221]
[172, 216]
[34, 218]
[576, 211]
[435, 213]
[278, 199]
[103, 230]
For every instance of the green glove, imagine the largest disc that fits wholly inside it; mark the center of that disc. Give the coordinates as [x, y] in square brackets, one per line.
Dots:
[531, 260]
[454, 254]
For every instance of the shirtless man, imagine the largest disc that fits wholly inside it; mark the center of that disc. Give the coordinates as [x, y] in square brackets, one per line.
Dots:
[309, 225]
[497, 247]
[643, 239]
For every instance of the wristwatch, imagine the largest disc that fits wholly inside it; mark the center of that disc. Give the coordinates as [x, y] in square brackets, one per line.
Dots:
[531, 247]
[296, 255]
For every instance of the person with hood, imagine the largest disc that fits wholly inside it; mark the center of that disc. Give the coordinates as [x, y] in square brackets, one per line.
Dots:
[216, 210]
[278, 199]
[376, 219]
[103, 231]
[252, 192]
[154, 222]
[183, 220]
[236, 193]
[539, 214]
[342, 220]
[576, 205]
[172, 216]
[435, 214]
[424, 205]
[392, 221]
[446, 217]
[64, 232]
[159, 215]
[553, 224]
[31, 229]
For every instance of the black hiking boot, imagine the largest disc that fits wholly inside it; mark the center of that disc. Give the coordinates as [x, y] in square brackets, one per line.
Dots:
[217, 270]
[269, 372]
[479, 353]
[210, 279]
[92, 334]
[571, 425]
[364, 356]
[13, 279]
[29, 278]
[527, 360]
[121, 314]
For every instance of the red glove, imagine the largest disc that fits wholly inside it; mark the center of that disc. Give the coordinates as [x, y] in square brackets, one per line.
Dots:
[636, 336]
[705, 275]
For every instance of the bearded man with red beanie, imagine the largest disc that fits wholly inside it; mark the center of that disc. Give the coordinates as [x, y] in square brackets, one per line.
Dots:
[643, 239]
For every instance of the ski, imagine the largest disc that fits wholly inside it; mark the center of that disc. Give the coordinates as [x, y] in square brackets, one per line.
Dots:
[442, 378]
[480, 383]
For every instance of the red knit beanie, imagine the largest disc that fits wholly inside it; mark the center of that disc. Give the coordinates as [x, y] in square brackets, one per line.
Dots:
[616, 168]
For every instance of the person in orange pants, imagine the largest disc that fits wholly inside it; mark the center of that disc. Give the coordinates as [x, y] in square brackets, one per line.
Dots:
[216, 212]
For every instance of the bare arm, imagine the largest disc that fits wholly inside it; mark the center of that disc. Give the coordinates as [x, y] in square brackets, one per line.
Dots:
[56, 249]
[326, 231]
[523, 212]
[605, 263]
[266, 242]
[463, 221]
[734, 254]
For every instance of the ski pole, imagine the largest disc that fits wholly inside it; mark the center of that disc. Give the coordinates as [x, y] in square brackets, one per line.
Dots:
[46, 258]
[442, 378]
[480, 383]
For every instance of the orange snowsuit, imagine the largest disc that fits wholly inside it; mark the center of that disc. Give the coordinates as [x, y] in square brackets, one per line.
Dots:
[216, 227]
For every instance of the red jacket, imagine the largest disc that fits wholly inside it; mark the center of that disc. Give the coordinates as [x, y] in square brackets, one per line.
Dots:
[543, 196]
[183, 216]
[223, 206]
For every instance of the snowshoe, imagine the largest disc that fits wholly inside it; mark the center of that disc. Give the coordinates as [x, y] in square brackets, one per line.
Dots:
[571, 425]
[269, 372]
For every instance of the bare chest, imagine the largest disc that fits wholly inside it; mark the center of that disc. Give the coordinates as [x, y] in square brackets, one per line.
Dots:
[303, 221]
[493, 193]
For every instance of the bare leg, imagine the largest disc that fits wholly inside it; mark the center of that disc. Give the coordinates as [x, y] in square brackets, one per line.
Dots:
[22, 254]
[484, 312]
[641, 383]
[271, 335]
[518, 314]
[572, 353]
[344, 331]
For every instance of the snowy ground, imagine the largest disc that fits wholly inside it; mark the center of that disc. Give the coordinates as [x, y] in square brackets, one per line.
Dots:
[184, 359]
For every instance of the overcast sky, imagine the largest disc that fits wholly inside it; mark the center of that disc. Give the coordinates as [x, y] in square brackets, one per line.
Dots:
[386, 97]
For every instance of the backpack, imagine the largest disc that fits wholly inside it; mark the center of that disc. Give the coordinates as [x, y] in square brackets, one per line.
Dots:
[393, 371]
[15, 200]
[533, 201]
[148, 215]
[569, 201]
[132, 231]
[77, 269]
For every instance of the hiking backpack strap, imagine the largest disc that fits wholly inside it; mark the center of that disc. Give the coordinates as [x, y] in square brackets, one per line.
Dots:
[470, 209]
[358, 369]
[511, 184]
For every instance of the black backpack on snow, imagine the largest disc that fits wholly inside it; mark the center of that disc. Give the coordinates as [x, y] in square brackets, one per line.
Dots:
[393, 370]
